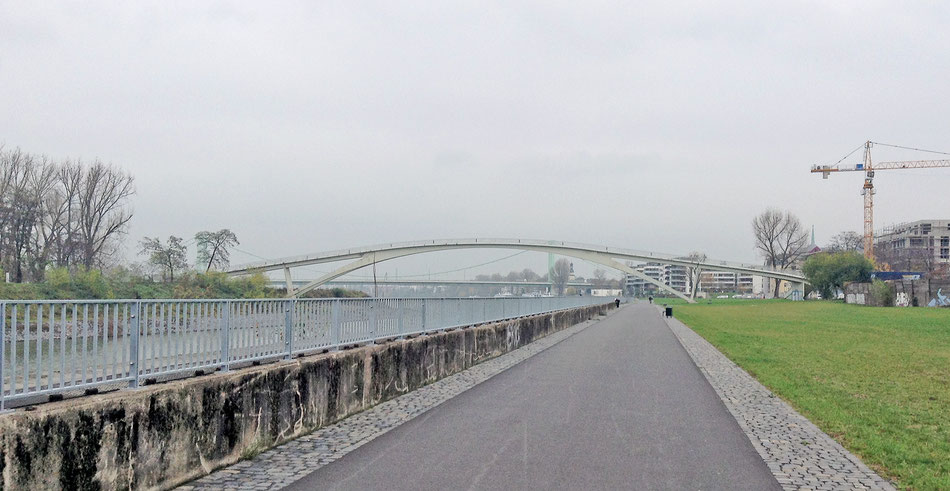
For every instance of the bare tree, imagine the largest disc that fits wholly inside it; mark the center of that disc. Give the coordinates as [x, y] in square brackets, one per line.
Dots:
[528, 274]
[780, 238]
[103, 210]
[215, 248]
[920, 259]
[48, 226]
[693, 271]
[600, 278]
[58, 214]
[561, 274]
[23, 211]
[845, 242]
[66, 213]
[168, 258]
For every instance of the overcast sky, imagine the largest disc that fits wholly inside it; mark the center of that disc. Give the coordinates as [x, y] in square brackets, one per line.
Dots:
[308, 126]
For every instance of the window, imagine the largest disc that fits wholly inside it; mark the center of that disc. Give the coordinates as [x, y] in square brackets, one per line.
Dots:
[945, 253]
[944, 241]
[916, 242]
[925, 228]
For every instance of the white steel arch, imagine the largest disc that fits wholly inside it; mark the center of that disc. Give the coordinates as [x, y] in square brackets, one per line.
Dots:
[606, 256]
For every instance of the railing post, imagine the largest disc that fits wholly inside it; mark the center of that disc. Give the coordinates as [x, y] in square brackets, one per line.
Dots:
[372, 318]
[425, 301]
[335, 324]
[3, 348]
[226, 337]
[402, 313]
[289, 328]
[134, 345]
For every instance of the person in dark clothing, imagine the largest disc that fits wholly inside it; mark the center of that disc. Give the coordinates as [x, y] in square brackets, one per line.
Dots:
[651, 298]
[617, 301]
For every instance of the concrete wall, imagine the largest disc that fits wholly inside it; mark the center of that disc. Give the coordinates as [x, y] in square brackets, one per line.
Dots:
[167, 434]
[908, 293]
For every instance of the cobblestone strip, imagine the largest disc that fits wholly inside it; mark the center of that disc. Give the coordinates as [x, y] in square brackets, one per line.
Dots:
[281, 466]
[798, 453]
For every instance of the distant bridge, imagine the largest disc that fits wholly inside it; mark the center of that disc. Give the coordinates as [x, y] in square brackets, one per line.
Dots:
[610, 257]
[411, 282]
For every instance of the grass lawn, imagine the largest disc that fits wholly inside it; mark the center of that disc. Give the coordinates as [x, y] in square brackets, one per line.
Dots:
[875, 379]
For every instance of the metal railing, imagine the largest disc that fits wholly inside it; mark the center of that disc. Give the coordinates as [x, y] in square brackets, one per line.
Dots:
[65, 346]
[619, 252]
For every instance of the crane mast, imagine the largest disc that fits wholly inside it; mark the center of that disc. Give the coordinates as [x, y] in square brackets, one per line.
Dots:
[868, 192]
[868, 167]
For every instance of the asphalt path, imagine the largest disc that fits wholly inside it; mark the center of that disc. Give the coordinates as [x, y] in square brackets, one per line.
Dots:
[619, 405]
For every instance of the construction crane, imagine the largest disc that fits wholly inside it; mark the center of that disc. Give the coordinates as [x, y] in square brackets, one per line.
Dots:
[868, 167]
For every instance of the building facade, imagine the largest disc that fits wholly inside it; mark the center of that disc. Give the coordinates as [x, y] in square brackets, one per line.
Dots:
[722, 281]
[677, 277]
[922, 246]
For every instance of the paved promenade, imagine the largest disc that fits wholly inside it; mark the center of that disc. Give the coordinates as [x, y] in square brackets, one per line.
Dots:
[612, 404]
[618, 405]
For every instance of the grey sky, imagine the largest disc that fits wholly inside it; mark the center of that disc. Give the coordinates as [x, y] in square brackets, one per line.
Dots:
[306, 126]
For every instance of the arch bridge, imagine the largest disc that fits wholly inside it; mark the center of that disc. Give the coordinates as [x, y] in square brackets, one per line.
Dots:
[610, 257]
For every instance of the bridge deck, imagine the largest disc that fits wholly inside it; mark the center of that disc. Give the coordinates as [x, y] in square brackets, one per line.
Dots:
[618, 405]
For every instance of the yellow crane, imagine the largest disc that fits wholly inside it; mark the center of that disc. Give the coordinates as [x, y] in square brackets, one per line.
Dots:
[869, 167]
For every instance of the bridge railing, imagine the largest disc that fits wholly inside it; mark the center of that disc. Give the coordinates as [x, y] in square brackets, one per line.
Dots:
[647, 256]
[54, 348]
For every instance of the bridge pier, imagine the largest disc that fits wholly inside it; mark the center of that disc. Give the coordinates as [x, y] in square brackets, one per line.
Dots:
[290, 282]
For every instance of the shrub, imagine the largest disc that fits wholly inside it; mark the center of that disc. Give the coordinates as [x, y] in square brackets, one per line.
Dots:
[829, 271]
[882, 293]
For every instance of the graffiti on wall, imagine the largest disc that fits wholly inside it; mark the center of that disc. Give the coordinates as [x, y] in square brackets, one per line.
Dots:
[902, 300]
[940, 301]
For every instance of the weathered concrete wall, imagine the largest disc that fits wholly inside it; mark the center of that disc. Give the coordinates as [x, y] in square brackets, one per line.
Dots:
[164, 435]
[908, 293]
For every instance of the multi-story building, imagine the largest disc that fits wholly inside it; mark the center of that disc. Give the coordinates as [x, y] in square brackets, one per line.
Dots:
[923, 245]
[677, 277]
[722, 281]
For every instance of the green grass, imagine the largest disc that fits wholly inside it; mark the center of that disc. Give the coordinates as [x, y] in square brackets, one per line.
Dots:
[875, 379]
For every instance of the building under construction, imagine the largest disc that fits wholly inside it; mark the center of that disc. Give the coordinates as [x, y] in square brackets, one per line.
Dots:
[922, 246]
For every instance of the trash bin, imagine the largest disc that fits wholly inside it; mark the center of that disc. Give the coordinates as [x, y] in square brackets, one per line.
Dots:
[669, 311]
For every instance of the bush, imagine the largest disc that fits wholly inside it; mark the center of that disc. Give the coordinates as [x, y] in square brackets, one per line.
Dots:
[882, 293]
[829, 271]
[120, 282]
[59, 278]
[335, 292]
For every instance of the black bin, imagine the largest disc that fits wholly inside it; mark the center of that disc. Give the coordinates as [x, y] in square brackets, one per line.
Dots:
[669, 311]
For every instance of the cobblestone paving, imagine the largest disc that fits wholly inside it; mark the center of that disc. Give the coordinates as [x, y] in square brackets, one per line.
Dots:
[281, 466]
[799, 454]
